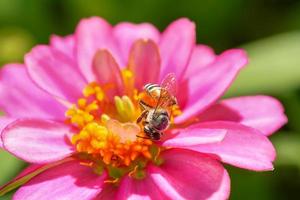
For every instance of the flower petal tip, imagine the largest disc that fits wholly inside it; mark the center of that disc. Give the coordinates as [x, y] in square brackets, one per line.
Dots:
[37, 141]
[239, 55]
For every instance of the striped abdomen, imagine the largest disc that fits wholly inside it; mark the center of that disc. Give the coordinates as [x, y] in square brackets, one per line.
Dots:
[153, 89]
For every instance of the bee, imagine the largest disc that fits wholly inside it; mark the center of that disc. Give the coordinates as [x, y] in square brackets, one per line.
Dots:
[156, 118]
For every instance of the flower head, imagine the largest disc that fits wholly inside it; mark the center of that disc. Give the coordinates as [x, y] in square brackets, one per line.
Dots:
[71, 111]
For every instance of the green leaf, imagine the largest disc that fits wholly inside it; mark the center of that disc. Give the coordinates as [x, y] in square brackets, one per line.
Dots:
[273, 66]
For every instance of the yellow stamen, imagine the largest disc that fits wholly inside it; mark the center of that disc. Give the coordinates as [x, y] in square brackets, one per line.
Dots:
[133, 171]
[175, 111]
[104, 118]
[106, 130]
[157, 155]
[128, 79]
[102, 137]
[113, 181]
[125, 108]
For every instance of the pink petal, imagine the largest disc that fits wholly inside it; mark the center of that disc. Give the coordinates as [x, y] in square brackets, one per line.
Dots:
[144, 61]
[107, 70]
[108, 192]
[242, 146]
[66, 181]
[20, 97]
[260, 112]
[176, 46]
[28, 173]
[91, 35]
[127, 33]
[194, 135]
[55, 73]
[202, 56]
[65, 45]
[4, 121]
[211, 82]
[190, 175]
[133, 189]
[37, 141]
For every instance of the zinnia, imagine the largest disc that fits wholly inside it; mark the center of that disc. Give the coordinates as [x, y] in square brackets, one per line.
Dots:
[71, 110]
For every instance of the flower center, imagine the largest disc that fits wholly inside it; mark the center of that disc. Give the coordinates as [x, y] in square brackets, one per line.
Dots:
[106, 133]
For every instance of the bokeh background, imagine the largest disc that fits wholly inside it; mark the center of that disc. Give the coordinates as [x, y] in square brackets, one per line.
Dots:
[268, 29]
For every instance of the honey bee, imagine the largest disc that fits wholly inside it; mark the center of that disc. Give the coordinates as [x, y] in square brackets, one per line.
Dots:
[157, 117]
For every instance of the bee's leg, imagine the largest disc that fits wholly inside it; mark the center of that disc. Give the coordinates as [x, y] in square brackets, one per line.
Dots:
[144, 105]
[143, 137]
[144, 114]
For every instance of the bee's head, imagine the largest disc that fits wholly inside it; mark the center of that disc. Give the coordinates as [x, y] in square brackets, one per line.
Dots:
[161, 120]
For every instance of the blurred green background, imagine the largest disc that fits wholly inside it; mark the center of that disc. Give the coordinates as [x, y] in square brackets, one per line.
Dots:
[268, 29]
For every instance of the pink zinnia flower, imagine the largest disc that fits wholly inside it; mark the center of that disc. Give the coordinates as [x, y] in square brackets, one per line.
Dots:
[71, 112]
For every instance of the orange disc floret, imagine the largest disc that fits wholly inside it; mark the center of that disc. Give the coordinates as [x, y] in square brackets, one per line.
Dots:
[113, 142]
[99, 141]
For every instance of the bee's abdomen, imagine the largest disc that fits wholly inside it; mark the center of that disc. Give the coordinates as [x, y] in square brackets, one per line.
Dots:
[151, 86]
[153, 89]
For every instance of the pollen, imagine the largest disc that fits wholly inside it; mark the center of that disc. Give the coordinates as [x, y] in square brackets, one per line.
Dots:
[128, 80]
[102, 143]
[106, 129]
[175, 111]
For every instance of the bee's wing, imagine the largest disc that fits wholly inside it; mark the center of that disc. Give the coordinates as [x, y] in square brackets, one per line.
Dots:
[168, 91]
[169, 84]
